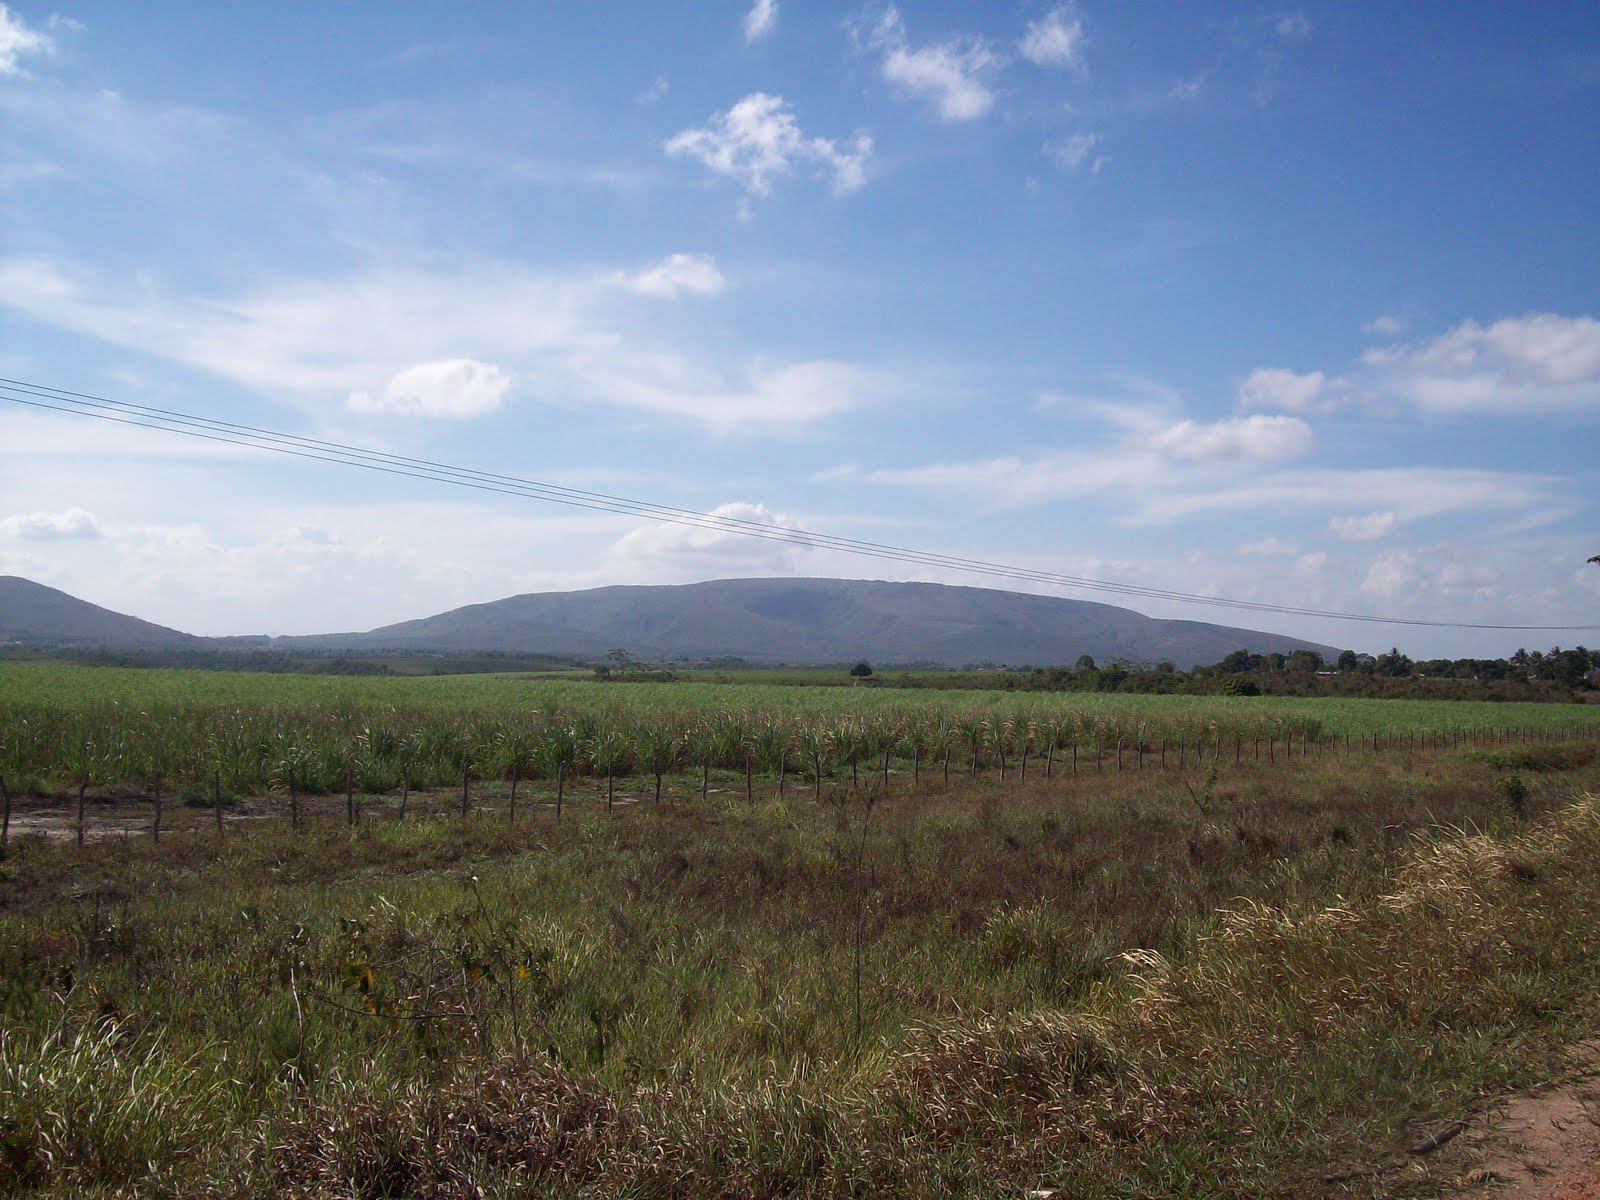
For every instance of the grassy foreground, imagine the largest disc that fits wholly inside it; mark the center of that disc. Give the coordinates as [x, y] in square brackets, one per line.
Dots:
[1231, 981]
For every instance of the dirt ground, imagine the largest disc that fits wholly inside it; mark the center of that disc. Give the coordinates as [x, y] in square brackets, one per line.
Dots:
[110, 815]
[117, 817]
[1543, 1144]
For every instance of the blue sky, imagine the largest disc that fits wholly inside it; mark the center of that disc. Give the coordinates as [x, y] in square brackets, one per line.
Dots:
[1293, 304]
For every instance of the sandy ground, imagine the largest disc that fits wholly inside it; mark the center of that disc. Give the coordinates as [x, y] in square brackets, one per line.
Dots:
[1542, 1144]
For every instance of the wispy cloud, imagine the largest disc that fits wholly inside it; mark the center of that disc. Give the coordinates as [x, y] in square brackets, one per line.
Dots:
[1542, 362]
[761, 21]
[1187, 90]
[759, 140]
[1055, 40]
[1292, 27]
[456, 387]
[951, 75]
[74, 523]
[1369, 528]
[671, 552]
[1276, 388]
[1076, 152]
[18, 41]
[1411, 493]
[676, 275]
[1257, 438]
[447, 344]
[1146, 486]
[1269, 548]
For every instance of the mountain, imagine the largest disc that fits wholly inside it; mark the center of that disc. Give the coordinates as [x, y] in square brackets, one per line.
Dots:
[33, 614]
[817, 621]
[797, 621]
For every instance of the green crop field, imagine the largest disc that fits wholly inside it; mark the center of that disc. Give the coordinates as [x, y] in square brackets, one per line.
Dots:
[78, 727]
[517, 937]
[76, 687]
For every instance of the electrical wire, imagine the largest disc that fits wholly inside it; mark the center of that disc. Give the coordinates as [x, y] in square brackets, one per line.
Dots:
[42, 396]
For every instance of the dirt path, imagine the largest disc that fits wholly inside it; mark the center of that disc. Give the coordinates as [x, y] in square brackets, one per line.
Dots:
[1543, 1144]
[128, 815]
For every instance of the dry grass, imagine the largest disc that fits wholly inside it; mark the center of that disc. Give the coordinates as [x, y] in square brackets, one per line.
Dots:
[1146, 984]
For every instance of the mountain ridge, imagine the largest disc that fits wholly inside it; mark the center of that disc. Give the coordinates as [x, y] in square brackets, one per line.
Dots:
[37, 614]
[798, 621]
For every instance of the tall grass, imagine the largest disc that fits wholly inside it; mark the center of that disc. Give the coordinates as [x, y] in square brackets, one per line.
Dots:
[1093, 983]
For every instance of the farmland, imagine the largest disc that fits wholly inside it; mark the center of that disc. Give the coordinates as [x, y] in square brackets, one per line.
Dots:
[75, 726]
[508, 937]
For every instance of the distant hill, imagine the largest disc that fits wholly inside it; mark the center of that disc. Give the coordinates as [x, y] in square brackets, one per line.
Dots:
[803, 621]
[796, 621]
[35, 615]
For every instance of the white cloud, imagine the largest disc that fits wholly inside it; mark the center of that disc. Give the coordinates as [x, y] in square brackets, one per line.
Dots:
[1138, 486]
[1270, 548]
[949, 74]
[314, 340]
[1263, 439]
[758, 396]
[1073, 153]
[761, 21]
[304, 535]
[17, 40]
[1289, 391]
[1310, 564]
[455, 387]
[1391, 575]
[1413, 493]
[52, 527]
[1385, 325]
[677, 275]
[668, 551]
[758, 140]
[1542, 362]
[312, 336]
[1055, 40]
[655, 91]
[1018, 482]
[1372, 527]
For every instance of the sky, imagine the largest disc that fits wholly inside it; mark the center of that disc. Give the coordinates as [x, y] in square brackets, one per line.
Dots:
[1288, 304]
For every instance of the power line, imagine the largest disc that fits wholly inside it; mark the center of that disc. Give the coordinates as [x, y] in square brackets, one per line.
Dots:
[42, 396]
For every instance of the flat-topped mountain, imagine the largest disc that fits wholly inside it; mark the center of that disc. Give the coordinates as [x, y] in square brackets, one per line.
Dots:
[819, 621]
[796, 621]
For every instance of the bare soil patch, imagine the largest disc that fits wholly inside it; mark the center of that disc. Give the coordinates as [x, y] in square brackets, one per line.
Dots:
[1543, 1144]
